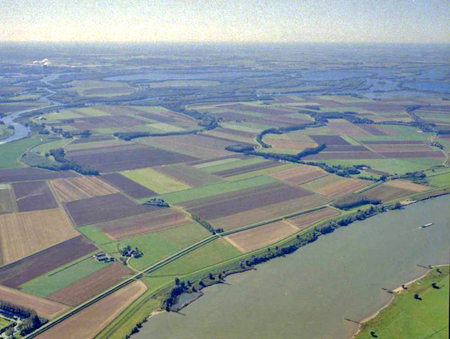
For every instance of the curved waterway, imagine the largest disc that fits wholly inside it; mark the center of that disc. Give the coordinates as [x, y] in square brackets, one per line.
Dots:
[20, 131]
[310, 293]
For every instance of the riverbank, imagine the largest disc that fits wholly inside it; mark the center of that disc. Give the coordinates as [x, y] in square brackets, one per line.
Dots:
[425, 316]
[243, 301]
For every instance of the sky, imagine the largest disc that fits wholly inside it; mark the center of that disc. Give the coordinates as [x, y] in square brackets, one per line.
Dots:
[395, 21]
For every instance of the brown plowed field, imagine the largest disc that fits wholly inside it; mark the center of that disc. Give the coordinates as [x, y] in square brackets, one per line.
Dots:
[143, 223]
[387, 193]
[81, 188]
[24, 233]
[242, 219]
[106, 207]
[32, 196]
[343, 127]
[91, 285]
[20, 272]
[233, 138]
[305, 220]
[296, 205]
[394, 142]
[120, 158]
[44, 308]
[130, 187]
[298, 174]
[246, 169]
[342, 187]
[97, 316]
[255, 238]
[249, 202]
[372, 129]
[427, 154]
[345, 148]
[95, 144]
[280, 143]
[400, 148]
[329, 139]
[407, 185]
[26, 174]
[188, 175]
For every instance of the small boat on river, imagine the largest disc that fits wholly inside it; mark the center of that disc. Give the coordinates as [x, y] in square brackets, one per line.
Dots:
[427, 225]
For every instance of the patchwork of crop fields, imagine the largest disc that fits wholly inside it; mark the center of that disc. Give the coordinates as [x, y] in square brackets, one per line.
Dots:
[52, 223]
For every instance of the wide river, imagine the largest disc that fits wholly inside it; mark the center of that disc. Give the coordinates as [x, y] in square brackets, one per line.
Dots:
[309, 294]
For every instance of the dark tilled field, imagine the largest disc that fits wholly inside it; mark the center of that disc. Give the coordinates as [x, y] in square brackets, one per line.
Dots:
[395, 142]
[130, 187]
[345, 148]
[106, 207]
[249, 202]
[33, 196]
[329, 140]
[428, 154]
[127, 157]
[24, 270]
[88, 287]
[143, 223]
[249, 168]
[26, 174]
[371, 129]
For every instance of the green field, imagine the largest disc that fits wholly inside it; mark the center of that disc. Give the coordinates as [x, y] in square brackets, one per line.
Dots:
[213, 253]
[159, 245]
[95, 235]
[61, 277]
[4, 323]
[407, 317]
[10, 152]
[216, 163]
[46, 147]
[163, 127]
[216, 188]
[5, 132]
[440, 180]
[155, 181]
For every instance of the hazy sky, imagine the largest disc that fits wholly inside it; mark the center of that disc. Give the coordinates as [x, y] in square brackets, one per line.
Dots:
[226, 20]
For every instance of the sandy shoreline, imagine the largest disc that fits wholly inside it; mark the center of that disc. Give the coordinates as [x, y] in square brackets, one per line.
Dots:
[396, 291]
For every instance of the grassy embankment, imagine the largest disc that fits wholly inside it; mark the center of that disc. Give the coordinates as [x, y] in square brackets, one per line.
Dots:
[407, 317]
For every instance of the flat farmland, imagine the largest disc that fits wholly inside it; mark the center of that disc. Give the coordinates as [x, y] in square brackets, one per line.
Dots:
[26, 174]
[407, 185]
[188, 175]
[143, 223]
[62, 276]
[128, 186]
[25, 233]
[234, 221]
[103, 208]
[273, 195]
[120, 158]
[19, 272]
[343, 127]
[334, 186]
[34, 195]
[44, 308]
[81, 188]
[95, 317]
[258, 237]
[305, 220]
[387, 193]
[91, 285]
[216, 189]
[296, 205]
[7, 204]
[247, 169]
[200, 146]
[299, 174]
[155, 181]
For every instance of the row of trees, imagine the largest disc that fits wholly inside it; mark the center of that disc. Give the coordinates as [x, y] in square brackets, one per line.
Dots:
[30, 320]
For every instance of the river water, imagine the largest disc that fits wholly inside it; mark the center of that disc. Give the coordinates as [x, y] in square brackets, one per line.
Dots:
[310, 293]
[20, 131]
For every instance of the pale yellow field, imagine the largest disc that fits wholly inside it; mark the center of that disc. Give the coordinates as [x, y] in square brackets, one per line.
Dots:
[25, 233]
